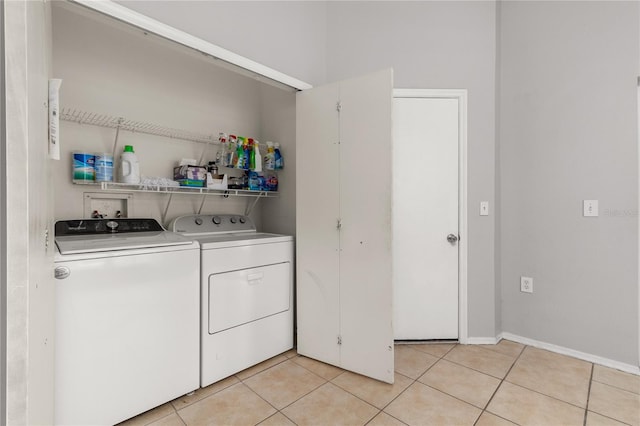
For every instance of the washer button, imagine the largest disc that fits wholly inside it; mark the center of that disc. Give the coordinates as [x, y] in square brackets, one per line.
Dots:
[216, 220]
[233, 220]
[198, 221]
[242, 219]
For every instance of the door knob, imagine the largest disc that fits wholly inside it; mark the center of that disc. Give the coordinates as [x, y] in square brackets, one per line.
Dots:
[452, 238]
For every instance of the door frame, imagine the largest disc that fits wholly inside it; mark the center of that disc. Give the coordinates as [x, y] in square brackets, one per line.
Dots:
[461, 96]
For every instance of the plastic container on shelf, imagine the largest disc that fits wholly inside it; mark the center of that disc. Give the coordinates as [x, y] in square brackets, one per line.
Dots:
[129, 166]
[104, 167]
[270, 157]
[83, 167]
[279, 160]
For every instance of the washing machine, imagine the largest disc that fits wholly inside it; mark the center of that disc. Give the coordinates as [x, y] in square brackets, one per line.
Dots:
[127, 332]
[246, 285]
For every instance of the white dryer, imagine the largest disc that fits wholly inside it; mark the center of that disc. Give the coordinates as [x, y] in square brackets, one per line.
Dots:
[246, 280]
[127, 319]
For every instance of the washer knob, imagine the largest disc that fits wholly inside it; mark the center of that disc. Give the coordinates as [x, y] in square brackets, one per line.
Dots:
[233, 220]
[216, 220]
[242, 219]
[198, 221]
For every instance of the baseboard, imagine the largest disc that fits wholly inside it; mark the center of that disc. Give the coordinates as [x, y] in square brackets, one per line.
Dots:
[481, 340]
[629, 368]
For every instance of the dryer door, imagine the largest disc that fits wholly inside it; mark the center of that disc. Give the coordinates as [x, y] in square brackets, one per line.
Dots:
[247, 295]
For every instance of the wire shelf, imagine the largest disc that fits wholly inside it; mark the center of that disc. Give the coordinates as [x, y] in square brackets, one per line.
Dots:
[116, 186]
[113, 122]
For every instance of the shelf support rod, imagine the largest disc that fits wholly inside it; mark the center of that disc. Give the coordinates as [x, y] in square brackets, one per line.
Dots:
[204, 197]
[166, 209]
[250, 206]
[115, 142]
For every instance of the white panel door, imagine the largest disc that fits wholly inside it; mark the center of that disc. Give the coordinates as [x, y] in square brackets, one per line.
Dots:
[365, 238]
[344, 277]
[425, 203]
[317, 210]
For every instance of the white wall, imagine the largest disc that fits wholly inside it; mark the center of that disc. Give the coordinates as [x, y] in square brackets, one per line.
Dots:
[3, 230]
[288, 36]
[278, 123]
[568, 133]
[432, 45]
[110, 70]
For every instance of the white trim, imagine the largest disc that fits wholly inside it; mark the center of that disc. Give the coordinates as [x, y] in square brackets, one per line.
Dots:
[638, 143]
[461, 96]
[482, 341]
[109, 8]
[629, 368]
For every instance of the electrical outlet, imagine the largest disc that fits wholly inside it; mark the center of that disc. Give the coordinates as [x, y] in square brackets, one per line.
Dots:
[484, 208]
[526, 284]
[590, 208]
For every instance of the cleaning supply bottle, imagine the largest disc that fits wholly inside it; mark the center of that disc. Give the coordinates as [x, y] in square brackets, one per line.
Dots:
[245, 154]
[279, 160]
[254, 181]
[240, 154]
[252, 155]
[231, 155]
[129, 166]
[258, 157]
[270, 157]
[271, 181]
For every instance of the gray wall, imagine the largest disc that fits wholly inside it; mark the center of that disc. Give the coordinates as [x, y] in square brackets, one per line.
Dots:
[287, 36]
[433, 45]
[568, 133]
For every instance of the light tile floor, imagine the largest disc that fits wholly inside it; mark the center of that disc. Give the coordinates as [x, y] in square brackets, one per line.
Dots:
[435, 384]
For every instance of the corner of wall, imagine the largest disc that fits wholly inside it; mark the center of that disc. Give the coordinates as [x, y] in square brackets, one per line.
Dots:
[497, 182]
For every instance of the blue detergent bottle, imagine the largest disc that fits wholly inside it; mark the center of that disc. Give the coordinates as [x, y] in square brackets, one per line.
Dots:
[279, 161]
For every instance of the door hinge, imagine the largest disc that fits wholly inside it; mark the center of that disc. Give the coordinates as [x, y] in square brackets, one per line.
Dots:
[338, 106]
[339, 340]
[339, 224]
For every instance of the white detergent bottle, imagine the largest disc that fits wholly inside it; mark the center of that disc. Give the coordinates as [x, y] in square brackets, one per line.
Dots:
[129, 166]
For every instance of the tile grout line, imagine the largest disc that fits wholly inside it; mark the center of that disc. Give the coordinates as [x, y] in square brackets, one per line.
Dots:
[615, 387]
[489, 350]
[586, 406]
[484, 410]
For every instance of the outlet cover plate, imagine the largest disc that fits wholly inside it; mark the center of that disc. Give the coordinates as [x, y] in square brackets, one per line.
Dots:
[484, 208]
[590, 208]
[526, 284]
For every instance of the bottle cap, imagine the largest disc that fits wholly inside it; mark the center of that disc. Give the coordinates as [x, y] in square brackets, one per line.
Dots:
[128, 148]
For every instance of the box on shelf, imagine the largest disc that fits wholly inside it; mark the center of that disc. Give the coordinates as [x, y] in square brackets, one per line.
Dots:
[193, 173]
[193, 176]
[191, 182]
[216, 181]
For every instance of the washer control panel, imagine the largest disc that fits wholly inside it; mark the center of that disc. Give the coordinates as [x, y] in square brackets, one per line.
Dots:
[211, 224]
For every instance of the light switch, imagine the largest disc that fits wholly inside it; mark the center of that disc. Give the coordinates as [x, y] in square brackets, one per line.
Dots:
[590, 208]
[484, 208]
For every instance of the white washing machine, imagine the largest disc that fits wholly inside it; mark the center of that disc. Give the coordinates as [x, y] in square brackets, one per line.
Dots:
[246, 292]
[127, 319]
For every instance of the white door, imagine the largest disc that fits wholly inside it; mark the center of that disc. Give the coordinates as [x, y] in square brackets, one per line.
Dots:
[425, 214]
[29, 215]
[344, 279]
